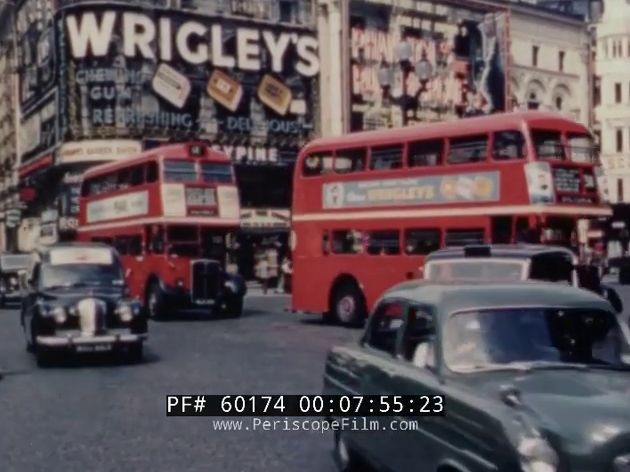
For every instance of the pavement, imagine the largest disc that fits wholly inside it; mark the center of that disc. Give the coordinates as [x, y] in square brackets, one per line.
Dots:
[97, 414]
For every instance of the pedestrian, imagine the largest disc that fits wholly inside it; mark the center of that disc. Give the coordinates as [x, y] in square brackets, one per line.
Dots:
[262, 272]
[285, 273]
[272, 261]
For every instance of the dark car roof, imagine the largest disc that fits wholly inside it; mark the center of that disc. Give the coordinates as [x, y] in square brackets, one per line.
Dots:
[451, 297]
[47, 249]
[500, 250]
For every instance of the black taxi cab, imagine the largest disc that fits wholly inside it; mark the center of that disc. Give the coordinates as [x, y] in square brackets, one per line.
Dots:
[534, 377]
[12, 268]
[75, 300]
[513, 263]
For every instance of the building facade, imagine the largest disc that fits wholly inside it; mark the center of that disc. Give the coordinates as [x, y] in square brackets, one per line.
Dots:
[613, 104]
[414, 61]
[103, 80]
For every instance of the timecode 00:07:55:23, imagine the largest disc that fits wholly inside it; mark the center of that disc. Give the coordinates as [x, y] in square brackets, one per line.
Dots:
[305, 405]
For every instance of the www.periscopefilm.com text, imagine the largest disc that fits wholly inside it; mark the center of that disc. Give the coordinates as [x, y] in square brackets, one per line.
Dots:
[310, 424]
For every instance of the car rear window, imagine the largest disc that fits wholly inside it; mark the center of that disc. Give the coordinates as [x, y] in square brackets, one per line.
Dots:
[497, 270]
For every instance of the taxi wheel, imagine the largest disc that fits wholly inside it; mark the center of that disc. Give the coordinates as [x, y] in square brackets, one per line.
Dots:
[44, 357]
[349, 305]
[346, 459]
[135, 353]
[155, 302]
[234, 308]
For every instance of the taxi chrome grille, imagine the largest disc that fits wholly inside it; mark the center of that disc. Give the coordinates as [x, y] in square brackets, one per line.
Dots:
[92, 314]
[206, 276]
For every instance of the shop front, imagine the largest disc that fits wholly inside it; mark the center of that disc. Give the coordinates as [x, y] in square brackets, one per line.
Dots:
[120, 79]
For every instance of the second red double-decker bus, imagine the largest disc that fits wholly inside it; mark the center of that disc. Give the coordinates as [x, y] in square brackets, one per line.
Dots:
[171, 212]
[367, 207]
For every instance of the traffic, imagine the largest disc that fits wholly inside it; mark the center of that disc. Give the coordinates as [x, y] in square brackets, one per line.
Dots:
[455, 249]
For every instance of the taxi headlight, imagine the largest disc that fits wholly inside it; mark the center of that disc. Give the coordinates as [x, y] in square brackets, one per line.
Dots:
[622, 463]
[537, 455]
[125, 312]
[59, 313]
[231, 285]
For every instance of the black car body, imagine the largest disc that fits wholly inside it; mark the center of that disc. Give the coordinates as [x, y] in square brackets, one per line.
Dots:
[76, 300]
[514, 263]
[534, 377]
[12, 269]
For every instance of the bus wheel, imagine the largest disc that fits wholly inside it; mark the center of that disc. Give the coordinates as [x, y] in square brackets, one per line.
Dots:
[349, 305]
[155, 302]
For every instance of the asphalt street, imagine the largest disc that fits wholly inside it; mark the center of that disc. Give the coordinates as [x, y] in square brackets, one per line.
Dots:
[102, 415]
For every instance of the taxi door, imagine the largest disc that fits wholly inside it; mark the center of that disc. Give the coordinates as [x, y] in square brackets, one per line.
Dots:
[381, 368]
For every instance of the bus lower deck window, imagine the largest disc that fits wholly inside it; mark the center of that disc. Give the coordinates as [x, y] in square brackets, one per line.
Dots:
[386, 242]
[463, 237]
[422, 241]
[347, 242]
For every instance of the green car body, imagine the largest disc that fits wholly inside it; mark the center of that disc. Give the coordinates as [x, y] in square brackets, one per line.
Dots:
[518, 416]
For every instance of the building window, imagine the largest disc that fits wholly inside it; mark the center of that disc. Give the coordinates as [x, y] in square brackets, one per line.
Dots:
[559, 103]
[617, 92]
[597, 92]
[532, 102]
[620, 190]
[561, 61]
[619, 140]
[535, 50]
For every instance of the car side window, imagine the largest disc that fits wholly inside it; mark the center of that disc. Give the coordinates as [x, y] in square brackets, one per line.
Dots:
[418, 337]
[385, 326]
[552, 268]
[35, 276]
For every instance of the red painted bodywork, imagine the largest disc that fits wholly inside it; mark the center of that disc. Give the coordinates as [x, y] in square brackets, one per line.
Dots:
[315, 273]
[170, 270]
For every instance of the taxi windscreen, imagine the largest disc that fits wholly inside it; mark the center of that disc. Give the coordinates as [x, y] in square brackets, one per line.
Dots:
[479, 269]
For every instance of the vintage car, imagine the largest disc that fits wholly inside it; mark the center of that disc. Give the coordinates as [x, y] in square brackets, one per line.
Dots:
[534, 378]
[516, 262]
[12, 268]
[76, 300]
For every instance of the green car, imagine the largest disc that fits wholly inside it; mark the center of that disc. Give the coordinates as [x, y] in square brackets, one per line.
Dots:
[534, 379]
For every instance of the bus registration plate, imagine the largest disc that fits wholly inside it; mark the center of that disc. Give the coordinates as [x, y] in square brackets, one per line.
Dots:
[200, 196]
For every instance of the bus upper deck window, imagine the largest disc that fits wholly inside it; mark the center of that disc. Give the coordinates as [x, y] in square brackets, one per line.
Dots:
[508, 145]
[152, 172]
[426, 153]
[548, 144]
[137, 175]
[317, 164]
[350, 160]
[468, 150]
[581, 148]
[386, 157]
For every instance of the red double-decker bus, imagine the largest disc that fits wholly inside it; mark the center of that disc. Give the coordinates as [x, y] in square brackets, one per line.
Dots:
[367, 207]
[171, 212]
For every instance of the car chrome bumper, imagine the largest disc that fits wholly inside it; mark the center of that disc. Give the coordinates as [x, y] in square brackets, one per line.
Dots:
[123, 338]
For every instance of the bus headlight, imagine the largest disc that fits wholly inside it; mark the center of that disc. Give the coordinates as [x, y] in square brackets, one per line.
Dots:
[537, 455]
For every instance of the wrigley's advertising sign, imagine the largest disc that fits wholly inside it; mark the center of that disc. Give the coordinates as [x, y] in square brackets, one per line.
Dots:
[469, 187]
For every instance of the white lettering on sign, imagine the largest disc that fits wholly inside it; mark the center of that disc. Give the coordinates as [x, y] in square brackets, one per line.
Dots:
[122, 206]
[81, 255]
[249, 153]
[144, 36]
[97, 150]
[171, 85]
[229, 203]
[173, 200]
